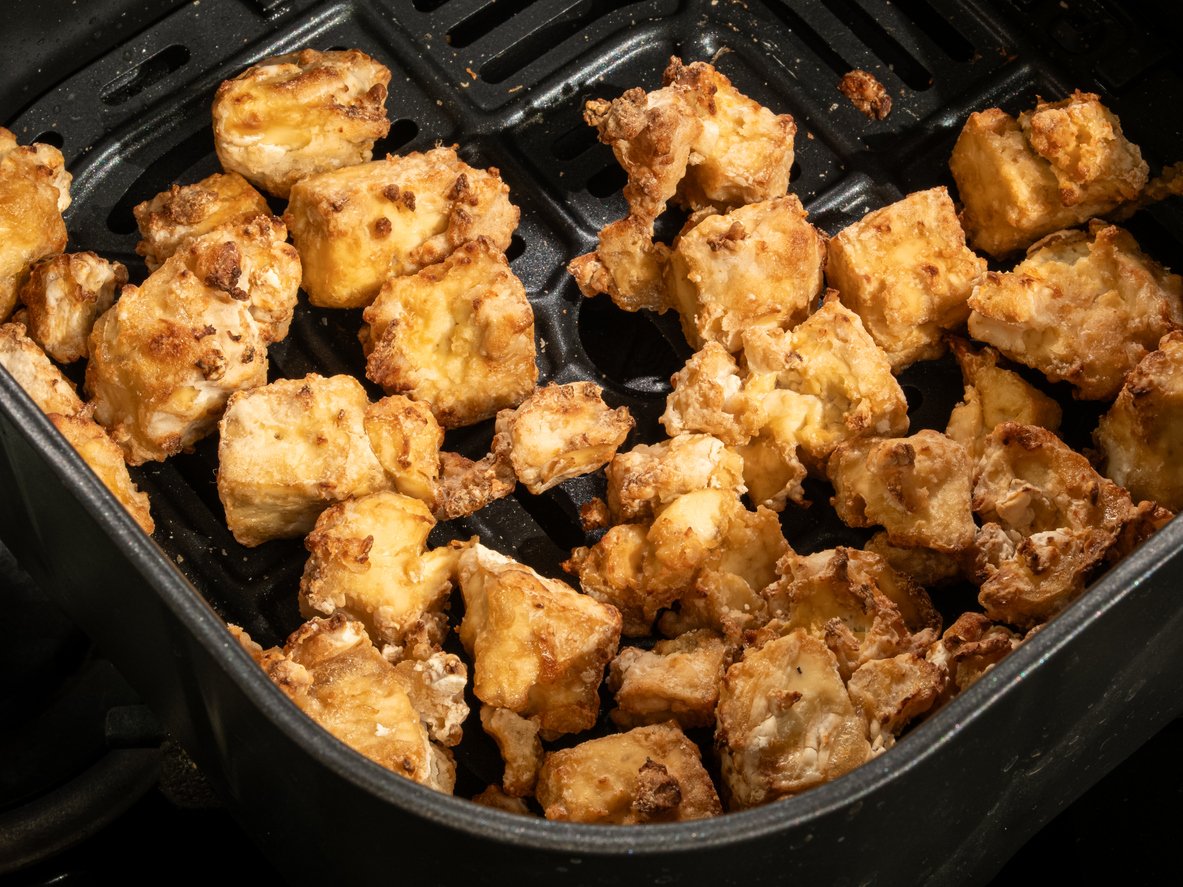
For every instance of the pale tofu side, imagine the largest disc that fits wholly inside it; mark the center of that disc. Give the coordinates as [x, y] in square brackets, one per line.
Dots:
[63, 296]
[406, 439]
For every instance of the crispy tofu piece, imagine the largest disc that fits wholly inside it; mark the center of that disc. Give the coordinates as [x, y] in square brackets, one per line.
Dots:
[1056, 166]
[678, 680]
[106, 460]
[824, 383]
[710, 397]
[852, 601]
[924, 566]
[758, 265]
[649, 774]
[744, 152]
[176, 217]
[435, 685]
[466, 486]
[906, 271]
[772, 471]
[329, 668]
[493, 796]
[893, 692]
[866, 93]
[785, 722]
[63, 296]
[1141, 437]
[368, 560]
[560, 432]
[295, 115]
[406, 439]
[167, 356]
[458, 336]
[627, 265]
[289, 450]
[521, 749]
[1050, 521]
[917, 487]
[34, 190]
[614, 571]
[357, 226]
[650, 476]
[970, 647]
[35, 373]
[1081, 308]
[994, 395]
[539, 648]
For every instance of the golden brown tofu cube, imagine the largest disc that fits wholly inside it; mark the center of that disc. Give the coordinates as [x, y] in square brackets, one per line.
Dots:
[560, 432]
[650, 476]
[35, 373]
[368, 560]
[329, 668]
[678, 680]
[786, 722]
[406, 439]
[458, 336]
[994, 395]
[63, 296]
[355, 227]
[539, 648]
[906, 271]
[710, 397]
[917, 487]
[1082, 308]
[970, 647]
[893, 692]
[106, 460]
[521, 749]
[759, 265]
[34, 189]
[291, 449]
[174, 218]
[649, 774]
[1055, 167]
[627, 265]
[294, 115]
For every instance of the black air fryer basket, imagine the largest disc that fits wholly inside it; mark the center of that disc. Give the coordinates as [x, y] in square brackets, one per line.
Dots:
[506, 81]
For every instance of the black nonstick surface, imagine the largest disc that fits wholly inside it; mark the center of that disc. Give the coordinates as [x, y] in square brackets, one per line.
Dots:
[506, 81]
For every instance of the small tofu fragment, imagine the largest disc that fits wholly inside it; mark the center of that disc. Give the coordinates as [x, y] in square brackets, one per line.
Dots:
[1056, 166]
[1082, 308]
[969, 648]
[466, 487]
[355, 227]
[289, 450]
[709, 397]
[906, 271]
[627, 265]
[1141, 437]
[458, 336]
[560, 432]
[493, 796]
[678, 680]
[368, 560]
[167, 356]
[521, 749]
[329, 668]
[35, 373]
[893, 692]
[63, 296]
[650, 476]
[435, 685]
[176, 217]
[866, 93]
[758, 265]
[406, 439]
[294, 115]
[994, 395]
[917, 487]
[649, 774]
[34, 190]
[539, 647]
[785, 722]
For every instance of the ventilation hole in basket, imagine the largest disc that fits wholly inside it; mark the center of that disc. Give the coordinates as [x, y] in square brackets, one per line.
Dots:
[151, 71]
[512, 59]
[914, 396]
[517, 246]
[607, 182]
[883, 44]
[627, 347]
[573, 142]
[428, 5]
[50, 137]
[811, 38]
[487, 18]
[158, 176]
[939, 28]
[401, 132]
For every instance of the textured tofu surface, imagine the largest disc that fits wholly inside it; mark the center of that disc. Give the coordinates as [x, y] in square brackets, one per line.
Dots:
[35, 372]
[406, 439]
[521, 749]
[647, 774]
[357, 226]
[458, 336]
[295, 115]
[648, 477]
[63, 296]
[678, 680]
[906, 271]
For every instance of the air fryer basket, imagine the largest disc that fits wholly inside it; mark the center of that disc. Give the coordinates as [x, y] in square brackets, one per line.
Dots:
[506, 81]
